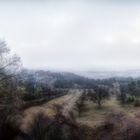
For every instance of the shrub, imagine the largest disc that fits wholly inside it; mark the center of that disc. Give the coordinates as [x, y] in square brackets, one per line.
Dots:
[126, 99]
[119, 126]
[29, 97]
[9, 115]
[130, 99]
[99, 94]
[58, 127]
[137, 103]
[122, 98]
[81, 105]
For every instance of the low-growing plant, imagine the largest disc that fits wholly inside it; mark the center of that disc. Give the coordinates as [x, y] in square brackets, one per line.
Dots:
[80, 104]
[137, 103]
[28, 97]
[130, 99]
[58, 127]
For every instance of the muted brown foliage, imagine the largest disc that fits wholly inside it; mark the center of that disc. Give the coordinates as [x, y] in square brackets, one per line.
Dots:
[57, 127]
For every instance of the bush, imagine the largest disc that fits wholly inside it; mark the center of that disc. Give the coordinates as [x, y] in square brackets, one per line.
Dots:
[122, 98]
[126, 99]
[9, 116]
[130, 99]
[119, 126]
[28, 97]
[58, 127]
[81, 105]
[137, 103]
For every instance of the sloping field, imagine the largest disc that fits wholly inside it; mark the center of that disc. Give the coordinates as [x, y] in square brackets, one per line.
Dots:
[67, 102]
[113, 121]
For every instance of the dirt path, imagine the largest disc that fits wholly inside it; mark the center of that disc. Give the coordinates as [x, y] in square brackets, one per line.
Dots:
[67, 102]
[70, 103]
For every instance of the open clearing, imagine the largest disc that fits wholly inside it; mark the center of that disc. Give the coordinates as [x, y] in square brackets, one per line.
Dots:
[94, 117]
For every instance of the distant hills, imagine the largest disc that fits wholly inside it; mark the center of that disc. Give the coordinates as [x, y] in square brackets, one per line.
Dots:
[110, 74]
[74, 80]
[51, 79]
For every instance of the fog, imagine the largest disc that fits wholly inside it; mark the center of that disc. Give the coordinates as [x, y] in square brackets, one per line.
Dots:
[73, 35]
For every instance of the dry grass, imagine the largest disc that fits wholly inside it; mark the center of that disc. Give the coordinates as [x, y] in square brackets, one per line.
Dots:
[113, 121]
[66, 101]
[95, 117]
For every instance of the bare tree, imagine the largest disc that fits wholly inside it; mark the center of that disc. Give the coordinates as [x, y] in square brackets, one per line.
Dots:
[9, 64]
[99, 94]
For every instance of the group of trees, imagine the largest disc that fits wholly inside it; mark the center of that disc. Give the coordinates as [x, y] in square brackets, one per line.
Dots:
[9, 64]
[130, 93]
[98, 94]
[127, 91]
[14, 89]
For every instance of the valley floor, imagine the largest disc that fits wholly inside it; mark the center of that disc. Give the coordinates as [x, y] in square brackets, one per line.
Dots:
[112, 121]
[92, 116]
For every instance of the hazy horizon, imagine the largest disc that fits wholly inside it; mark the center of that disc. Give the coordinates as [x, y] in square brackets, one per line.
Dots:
[73, 35]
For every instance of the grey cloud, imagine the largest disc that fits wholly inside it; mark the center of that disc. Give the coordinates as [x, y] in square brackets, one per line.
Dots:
[73, 35]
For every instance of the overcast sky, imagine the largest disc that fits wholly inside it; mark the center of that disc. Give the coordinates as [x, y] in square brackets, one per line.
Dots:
[73, 35]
